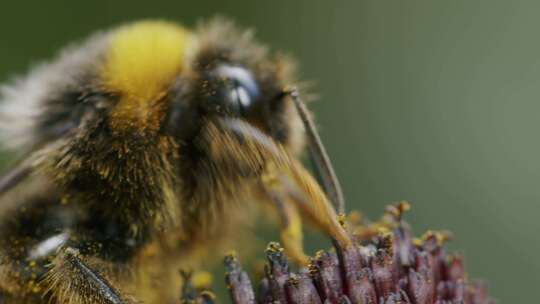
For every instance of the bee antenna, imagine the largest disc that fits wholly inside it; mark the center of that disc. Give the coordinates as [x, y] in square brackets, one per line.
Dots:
[318, 153]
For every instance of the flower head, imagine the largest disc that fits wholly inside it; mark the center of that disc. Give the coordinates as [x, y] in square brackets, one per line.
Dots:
[386, 265]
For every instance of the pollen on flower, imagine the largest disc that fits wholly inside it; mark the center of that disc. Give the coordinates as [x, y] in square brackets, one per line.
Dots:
[388, 266]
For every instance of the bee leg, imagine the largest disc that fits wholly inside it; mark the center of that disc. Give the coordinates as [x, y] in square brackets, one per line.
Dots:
[72, 280]
[195, 290]
[240, 147]
[291, 227]
[305, 194]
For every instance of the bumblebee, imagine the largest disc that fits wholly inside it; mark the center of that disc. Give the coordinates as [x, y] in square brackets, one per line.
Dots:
[142, 150]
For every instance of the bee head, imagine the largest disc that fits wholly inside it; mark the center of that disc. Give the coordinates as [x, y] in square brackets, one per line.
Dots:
[167, 80]
[229, 75]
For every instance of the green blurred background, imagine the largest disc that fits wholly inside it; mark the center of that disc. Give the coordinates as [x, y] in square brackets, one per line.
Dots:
[434, 102]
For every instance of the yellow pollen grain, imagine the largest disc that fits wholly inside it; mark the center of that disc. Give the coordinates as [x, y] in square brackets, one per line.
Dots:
[140, 63]
[201, 279]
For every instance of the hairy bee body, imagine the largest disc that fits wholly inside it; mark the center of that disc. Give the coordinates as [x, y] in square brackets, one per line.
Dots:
[146, 144]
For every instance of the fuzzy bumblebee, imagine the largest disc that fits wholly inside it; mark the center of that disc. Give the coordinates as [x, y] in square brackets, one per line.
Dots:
[143, 147]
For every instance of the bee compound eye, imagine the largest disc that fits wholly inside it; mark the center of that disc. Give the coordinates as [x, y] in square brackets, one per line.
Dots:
[239, 89]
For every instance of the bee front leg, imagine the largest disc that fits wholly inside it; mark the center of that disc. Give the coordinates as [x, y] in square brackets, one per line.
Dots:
[72, 280]
[291, 226]
[239, 149]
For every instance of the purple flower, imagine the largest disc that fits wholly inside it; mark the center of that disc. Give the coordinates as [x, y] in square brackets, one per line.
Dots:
[387, 265]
